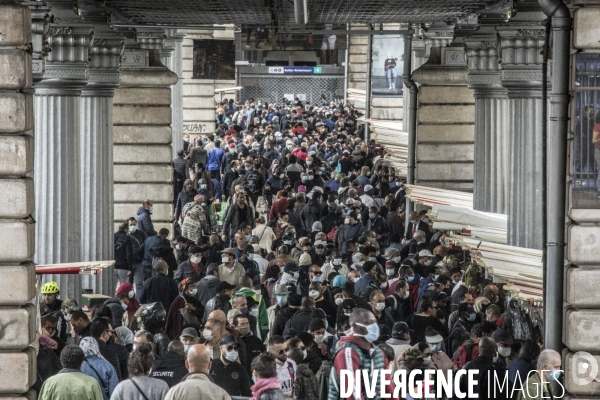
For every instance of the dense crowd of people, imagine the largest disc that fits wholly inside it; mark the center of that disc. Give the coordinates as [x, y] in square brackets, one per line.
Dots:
[290, 262]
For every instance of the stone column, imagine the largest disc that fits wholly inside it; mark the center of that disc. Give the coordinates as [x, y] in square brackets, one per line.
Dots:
[57, 152]
[17, 232]
[174, 61]
[445, 120]
[142, 137]
[521, 47]
[491, 172]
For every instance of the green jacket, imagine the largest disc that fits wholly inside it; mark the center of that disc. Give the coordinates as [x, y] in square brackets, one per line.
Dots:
[70, 384]
[263, 318]
[533, 389]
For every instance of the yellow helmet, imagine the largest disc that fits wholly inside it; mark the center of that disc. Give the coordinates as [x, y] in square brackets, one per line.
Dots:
[50, 288]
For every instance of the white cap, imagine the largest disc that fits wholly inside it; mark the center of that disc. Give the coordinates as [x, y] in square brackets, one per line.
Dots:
[368, 187]
[278, 133]
[425, 253]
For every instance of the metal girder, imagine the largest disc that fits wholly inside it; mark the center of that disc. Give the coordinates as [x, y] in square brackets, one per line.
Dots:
[347, 32]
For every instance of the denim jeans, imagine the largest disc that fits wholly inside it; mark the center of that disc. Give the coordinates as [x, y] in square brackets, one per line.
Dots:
[391, 76]
[139, 277]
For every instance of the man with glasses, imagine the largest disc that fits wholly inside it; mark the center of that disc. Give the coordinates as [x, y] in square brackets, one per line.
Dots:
[286, 369]
[227, 372]
[101, 330]
[314, 275]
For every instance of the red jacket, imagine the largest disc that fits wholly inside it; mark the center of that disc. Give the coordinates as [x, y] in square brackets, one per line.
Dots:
[278, 207]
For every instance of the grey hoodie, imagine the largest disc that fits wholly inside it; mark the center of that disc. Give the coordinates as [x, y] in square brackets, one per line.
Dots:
[207, 288]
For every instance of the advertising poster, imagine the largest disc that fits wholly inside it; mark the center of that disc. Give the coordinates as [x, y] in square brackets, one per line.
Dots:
[388, 64]
[214, 59]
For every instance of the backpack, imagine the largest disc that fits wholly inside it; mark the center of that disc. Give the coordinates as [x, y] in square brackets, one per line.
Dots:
[463, 355]
[253, 182]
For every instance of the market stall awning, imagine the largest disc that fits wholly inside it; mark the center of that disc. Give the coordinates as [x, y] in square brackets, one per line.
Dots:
[78, 268]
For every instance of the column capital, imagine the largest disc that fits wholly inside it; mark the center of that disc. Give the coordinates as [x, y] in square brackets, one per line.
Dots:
[434, 35]
[483, 63]
[66, 69]
[41, 19]
[150, 39]
[105, 62]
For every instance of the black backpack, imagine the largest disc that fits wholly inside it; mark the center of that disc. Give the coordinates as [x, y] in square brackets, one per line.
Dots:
[253, 181]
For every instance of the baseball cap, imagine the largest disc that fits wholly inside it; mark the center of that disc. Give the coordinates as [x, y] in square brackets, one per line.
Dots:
[295, 300]
[503, 336]
[290, 267]
[348, 303]
[281, 290]
[228, 339]
[368, 187]
[229, 250]
[355, 216]
[289, 333]
[425, 253]
[224, 285]
[191, 332]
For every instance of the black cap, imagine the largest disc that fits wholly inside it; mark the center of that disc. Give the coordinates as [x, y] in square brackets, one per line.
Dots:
[295, 300]
[400, 328]
[348, 303]
[224, 285]
[503, 336]
[289, 333]
[194, 250]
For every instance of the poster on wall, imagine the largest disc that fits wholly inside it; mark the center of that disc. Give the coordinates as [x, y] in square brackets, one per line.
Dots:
[388, 65]
[214, 59]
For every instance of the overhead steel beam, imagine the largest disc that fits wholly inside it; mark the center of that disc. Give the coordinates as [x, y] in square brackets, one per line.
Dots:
[346, 32]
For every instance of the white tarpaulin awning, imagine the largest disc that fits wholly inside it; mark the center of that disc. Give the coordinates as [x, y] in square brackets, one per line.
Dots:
[78, 268]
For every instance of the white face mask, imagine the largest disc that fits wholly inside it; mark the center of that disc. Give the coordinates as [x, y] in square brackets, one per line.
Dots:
[380, 306]
[207, 335]
[314, 294]
[194, 292]
[406, 295]
[337, 261]
[231, 356]
[338, 301]
[319, 338]
[225, 260]
[132, 228]
[195, 260]
[504, 351]
[68, 317]
[304, 354]
[427, 360]
[355, 280]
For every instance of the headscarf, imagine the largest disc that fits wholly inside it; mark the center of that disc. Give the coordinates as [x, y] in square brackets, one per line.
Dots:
[339, 281]
[305, 260]
[90, 347]
[124, 289]
[264, 384]
[274, 166]
[125, 335]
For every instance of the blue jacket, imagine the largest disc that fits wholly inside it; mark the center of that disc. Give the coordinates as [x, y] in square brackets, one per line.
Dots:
[144, 222]
[362, 283]
[104, 373]
[144, 251]
[215, 156]
[423, 285]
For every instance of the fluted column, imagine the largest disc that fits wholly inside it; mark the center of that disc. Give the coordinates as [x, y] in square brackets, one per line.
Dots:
[491, 172]
[57, 133]
[521, 75]
[96, 150]
[172, 57]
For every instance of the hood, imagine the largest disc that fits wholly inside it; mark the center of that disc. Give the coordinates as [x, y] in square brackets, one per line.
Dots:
[304, 370]
[169, 360]
[112, 301]
[247, 292]
[142, 210]
[210, 283]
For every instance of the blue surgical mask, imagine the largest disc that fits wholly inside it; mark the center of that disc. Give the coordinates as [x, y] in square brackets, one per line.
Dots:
[251, 256]
[371, 215]
[124, 306]
[151, 209]
[281, 299]
[554, 375]
[372, 332]
[203, 205]
[413, 221]
[203, 186]
[390, 272]
[316, 278]
[372, 259]
[187, 347]
[471, 317]
[435, 347]
[409, 279]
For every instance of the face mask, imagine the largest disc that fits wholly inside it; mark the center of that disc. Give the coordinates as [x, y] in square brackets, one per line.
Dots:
[435, 347]
[178, 247]
[380, 306]
[377, 253]
[232, 151]
[225, 260]
[471, 317]
[413, 221]
[296, 274]
[316, 279]
[454, 282]
[338, 301]
[231, 356]
[187, 347]
[304, 354]
[68, 317]
[406, 295]
[131, 294]
[281, 176]
[435, 277]
[309, 163]
[421, 241]
[244, 329]
[409, 279]
[427, 360]
[371, 215]
[132, 228]
[347, 314]
[203, 204]
[337, 261]
[319, 251]
[355, 280]
[124, 306]
[250, 257]
[244, 310]
[390, 272]
[372, 332]
[305, 178]
[504, 351]
[554, 375]
[194, 292]
[319, 338]
[281, 299]
[254, 312]
[287, 242]
[289, 147]
[314, 294]
[346, 221]
[196, 260]
[495, 358]
[207, 335]
[151, 209]
[372, 259]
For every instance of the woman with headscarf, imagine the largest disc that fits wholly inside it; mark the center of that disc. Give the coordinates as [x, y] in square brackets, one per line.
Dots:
[271, 170]
[97, 367]
[186, 300]
[316, 228]
[126, 297]
[124, 336]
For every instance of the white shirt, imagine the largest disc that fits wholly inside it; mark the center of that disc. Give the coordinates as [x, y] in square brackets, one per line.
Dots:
[262, 263]
[283, 375]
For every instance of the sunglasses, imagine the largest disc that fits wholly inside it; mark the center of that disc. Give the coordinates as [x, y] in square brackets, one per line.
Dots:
[317, 272]
[232, 347]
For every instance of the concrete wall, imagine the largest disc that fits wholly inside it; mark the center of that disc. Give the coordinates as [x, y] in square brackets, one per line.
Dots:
[142, 143]
[445, 125]
[199, 94]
